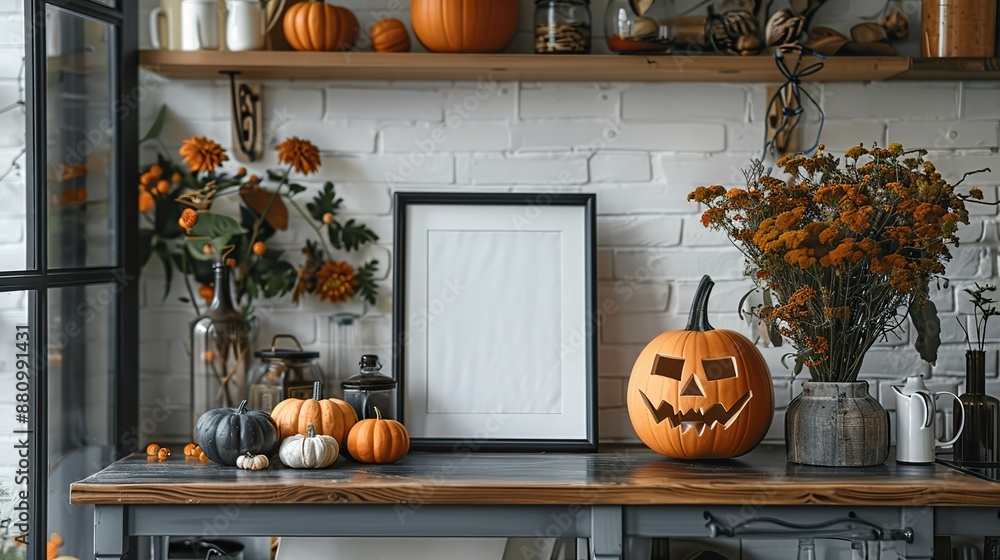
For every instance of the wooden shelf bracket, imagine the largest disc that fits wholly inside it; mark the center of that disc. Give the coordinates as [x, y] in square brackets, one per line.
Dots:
[247, 101]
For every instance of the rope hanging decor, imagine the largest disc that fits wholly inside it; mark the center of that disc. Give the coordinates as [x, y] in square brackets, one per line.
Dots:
[791, 100]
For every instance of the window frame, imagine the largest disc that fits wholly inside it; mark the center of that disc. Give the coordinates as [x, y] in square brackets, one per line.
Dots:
[38, 279]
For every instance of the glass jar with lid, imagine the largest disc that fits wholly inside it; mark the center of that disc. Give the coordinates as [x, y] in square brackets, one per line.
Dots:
[284, 373]
[370, 390]
[562, 26]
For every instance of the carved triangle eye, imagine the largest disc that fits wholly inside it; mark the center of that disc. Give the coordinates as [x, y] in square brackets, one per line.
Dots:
[668, 366]
[717, 369]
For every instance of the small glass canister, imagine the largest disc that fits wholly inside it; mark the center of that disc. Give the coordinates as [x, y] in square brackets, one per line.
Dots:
[562, 26]
[370, 390]
[284, 374]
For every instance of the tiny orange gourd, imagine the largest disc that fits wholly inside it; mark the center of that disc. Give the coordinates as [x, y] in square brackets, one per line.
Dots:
[457, 26]
[318, 26]
[378, 440]
[700, 393]
[390, 35]
[330, 417]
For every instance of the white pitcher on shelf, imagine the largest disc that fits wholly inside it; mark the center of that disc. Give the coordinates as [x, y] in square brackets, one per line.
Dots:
[247, 25]
[200, 25]
[915, 415]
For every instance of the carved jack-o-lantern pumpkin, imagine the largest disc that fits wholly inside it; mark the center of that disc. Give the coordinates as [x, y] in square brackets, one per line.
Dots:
[701, 393]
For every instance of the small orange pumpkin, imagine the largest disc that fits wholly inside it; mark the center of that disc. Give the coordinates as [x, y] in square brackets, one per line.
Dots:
[330, 417]
[378, 440]
[317, 26]
[390, 35]
[701, 393]
[458, 26]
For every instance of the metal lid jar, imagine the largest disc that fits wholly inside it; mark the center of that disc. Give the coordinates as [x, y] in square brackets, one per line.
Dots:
[562, 26]
[370, 390]
[283, 373]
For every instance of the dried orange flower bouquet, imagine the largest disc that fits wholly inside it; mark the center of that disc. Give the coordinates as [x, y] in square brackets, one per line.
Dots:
[185, 233]
[843, 253]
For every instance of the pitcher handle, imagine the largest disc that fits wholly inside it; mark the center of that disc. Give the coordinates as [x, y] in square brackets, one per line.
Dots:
[961, 422]
[154, 26]
[927, 399]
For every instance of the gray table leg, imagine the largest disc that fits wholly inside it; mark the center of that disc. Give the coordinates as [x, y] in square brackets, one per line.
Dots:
[110, 532]
[921, 519]
[606, 528]
[159, 546]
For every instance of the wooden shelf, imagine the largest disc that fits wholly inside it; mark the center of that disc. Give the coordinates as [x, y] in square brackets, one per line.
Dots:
[604, 68]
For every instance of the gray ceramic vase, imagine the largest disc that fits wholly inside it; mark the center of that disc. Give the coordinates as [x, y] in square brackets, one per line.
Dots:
[836, 425]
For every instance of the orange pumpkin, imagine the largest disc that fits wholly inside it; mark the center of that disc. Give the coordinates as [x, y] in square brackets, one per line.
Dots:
[390, 35]
[330, 417]
[457, 26]
[378, 440]
[317, 26]
[701, 393]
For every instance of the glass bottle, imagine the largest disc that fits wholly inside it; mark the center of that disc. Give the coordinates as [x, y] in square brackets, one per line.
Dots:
[370, 390]
[345, 347]
[653, 31]
[284, 373]
[562, 26]
[220, 351]
[979, 441]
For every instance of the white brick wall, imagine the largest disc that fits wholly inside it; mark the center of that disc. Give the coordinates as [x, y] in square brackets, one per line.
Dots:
[640, 147]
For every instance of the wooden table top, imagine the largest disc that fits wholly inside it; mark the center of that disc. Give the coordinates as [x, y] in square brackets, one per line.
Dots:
[627, 476]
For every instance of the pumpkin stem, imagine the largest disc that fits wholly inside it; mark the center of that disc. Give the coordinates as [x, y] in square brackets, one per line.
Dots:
[311, 431]
[378, 413]
[698, 318]
[243, 408]
[316, 391]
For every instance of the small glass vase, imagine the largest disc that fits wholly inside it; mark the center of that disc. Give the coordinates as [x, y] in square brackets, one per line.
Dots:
[980, 440]
[220, 352]
[628, 32]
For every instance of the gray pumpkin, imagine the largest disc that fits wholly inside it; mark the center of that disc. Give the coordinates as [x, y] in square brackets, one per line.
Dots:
[225, 434]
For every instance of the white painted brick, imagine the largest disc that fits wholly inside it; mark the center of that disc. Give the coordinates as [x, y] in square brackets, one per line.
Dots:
[624, 296]
[531, 170]
[643, 231]
[722, 169]
[467, 136]
[725, 298]
[476, 102]
[678, 264]
[615, 425]
[299, 103]
[402, 168]
[610, 393]
[644, 199]
[605, 268]
[639, 328]
[331, 136]
[969, 263]
[617, 360]
[701, 137]
[886, 100]
[684, 102]
[569, 100]
[981, 102]
[564, 135]
[619, 168]
[840, 135]
[953, 167]
[948, 135]
[697, 235]
[893, 364]
[384, 104]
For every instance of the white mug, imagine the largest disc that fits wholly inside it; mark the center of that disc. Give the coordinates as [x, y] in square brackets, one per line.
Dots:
[165, 25]
[915, 416]
[245, 30]
[200, 25]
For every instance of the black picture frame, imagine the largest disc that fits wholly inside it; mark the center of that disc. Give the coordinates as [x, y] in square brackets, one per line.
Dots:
[403, 201]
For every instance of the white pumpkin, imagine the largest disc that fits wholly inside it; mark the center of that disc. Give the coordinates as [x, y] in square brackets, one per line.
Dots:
[252, 462]
[309, 451]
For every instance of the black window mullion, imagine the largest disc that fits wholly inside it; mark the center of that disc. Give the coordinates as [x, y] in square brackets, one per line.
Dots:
[93, 10]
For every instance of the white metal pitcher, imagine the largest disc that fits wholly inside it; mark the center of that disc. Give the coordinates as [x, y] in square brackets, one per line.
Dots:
[915, 412]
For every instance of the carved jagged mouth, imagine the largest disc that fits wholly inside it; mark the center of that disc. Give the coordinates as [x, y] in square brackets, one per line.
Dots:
[696, 419]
